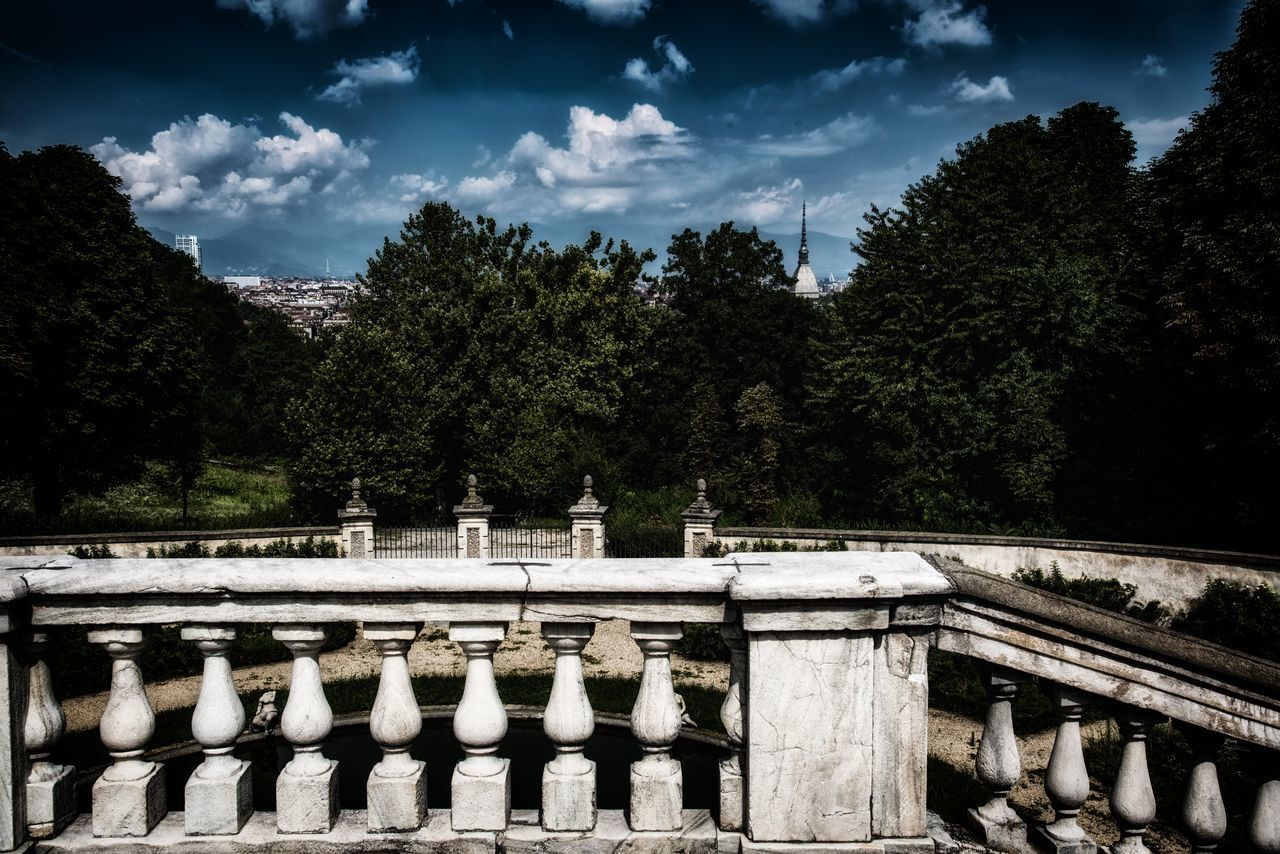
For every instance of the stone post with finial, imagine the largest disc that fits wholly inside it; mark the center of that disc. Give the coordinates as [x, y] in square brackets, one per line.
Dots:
[587, 518]
[699, 523]
[473, 523]
[355, 522]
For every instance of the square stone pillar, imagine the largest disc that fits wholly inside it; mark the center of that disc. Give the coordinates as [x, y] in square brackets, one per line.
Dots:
[473, 523]
[356, 523]
[699, 523]
[587, 523]
[13, 715]
[835, 747]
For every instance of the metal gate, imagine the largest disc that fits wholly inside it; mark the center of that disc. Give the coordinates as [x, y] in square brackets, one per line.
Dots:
[416, 542]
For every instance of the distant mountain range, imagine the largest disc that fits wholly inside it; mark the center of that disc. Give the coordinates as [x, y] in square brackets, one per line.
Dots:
[253, 250]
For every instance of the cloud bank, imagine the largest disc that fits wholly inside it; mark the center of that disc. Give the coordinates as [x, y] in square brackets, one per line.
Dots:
[397, 68]
[307, 18]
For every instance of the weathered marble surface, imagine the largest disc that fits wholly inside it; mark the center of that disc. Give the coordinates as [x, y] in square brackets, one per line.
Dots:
[809, 736]
[260, 836]
[901, 734]
[13, 710]
[833, 575]
[129, 807]
[697, 835]
[221, 805]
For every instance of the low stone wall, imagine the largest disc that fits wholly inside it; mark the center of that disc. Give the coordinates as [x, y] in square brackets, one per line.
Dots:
[1173, 576]
[136, 544]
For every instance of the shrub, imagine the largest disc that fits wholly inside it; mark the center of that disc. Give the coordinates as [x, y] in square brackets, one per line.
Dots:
[94, 551]
[1107, 593]
[702, 642]
[1235, 615]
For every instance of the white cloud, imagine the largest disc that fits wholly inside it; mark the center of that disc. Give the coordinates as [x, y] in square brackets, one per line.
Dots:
[611, 11]
[996, 89]
[1152, 66]
[398, 68]
[215, 166]
[676, 66]
[485, 190]
[507, 31]
[946, 23]
[307, 18]
[763, 205]
[836, 135]
[412, 187]
[1156, 132]
[799, 13]
[833, 79]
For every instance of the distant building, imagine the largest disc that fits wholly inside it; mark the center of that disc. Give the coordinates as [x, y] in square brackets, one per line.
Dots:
[243, 281]
[189, 244]
[806, 284]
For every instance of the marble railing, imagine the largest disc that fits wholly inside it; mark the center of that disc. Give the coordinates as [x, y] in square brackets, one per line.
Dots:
[826, 711]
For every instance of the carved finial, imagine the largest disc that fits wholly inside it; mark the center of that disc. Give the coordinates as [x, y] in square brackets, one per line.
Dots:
[700, 507]
[588, 501]
[473, 498]
[587, 483]
[702, 488]
[356, 502]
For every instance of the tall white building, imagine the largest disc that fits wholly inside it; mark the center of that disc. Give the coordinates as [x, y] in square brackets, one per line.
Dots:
[189, 244]
[806, 284]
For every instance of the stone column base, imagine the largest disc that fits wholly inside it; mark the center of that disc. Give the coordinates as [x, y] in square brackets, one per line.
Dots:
[657, 794]
[307, 804]
[218, 806]
[1044, 838]
[731, 795]
[51, 804]
[697, 835]
[569, 800]
[129, 807]
[397, 803]
[1000, 830]
[482, 803]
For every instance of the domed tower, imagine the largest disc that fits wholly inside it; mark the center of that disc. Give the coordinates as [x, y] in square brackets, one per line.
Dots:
[806, 284]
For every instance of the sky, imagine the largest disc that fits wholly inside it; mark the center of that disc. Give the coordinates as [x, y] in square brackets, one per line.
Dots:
[324, 116]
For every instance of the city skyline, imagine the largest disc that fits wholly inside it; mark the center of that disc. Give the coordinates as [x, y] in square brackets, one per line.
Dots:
[622, 115]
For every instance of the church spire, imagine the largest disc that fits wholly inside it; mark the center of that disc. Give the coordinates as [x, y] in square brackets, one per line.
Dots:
[804, 234]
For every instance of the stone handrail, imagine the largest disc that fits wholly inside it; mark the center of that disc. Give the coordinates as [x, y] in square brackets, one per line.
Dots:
[136, 543]
[1173, 575]
[826, 712]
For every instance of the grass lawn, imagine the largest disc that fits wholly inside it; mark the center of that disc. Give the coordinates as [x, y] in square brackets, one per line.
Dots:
[225, 496]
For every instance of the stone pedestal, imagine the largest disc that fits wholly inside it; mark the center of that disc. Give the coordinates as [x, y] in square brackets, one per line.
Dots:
[568, 800]
[129, 807]
[998, 826]
[356, 524]
[699, 523]
[657, 792]
[587, 523]
[482, 803]
[473, 523]
[219, 806]
[397, 803]
[732, 792]
[307, 804]
[51, 803]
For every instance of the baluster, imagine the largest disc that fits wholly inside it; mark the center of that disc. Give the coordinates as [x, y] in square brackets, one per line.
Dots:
[219, 794]
[1133, 803]
[1264, 824]
[397, 787]
[731, 791]
[657, 785]
[307, 787]
[51, 796]
[998, 765]
[482, 780]
[128, 799]
[568, 780]
[1066, 780]
[1203, 813]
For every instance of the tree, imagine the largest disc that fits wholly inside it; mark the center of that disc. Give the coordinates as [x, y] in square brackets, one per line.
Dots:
[471, 350]
[97, 359]
[1214, 241]
[980, 305]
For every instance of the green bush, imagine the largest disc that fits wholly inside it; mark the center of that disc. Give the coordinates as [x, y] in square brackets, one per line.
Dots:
[702, 642]
[1107, 593]
[94, 551]
[1235, 615]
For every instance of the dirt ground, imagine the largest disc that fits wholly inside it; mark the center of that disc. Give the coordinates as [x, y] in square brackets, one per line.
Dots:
[611, 652]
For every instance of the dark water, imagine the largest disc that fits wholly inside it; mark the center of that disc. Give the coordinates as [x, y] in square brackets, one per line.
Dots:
[612, 749]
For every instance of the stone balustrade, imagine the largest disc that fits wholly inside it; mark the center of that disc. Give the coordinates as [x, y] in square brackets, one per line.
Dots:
[826, 711]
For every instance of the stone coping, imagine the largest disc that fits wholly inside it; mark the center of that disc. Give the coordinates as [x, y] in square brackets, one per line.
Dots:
[1261, 561]
[169, 536]
[1238, 667]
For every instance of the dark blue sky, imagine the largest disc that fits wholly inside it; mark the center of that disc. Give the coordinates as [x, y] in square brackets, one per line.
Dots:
[625, 115]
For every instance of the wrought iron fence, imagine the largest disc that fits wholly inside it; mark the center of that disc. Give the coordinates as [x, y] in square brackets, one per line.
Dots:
[540, 538]
[416, 542]
[654, 541]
